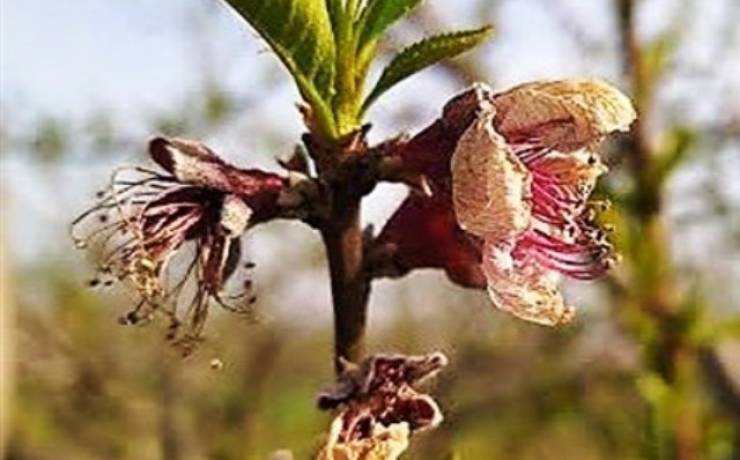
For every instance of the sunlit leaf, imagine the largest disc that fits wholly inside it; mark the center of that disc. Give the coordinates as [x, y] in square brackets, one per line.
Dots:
[336, 11]
[300, 33]
[378, 15]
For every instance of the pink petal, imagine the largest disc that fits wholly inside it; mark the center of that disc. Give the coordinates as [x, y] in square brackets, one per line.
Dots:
[523, 288]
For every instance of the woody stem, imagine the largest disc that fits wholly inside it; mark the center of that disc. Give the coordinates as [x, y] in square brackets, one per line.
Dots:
[350, 286]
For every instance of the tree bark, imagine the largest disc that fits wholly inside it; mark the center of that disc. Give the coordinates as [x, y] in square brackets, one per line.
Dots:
[350, 286]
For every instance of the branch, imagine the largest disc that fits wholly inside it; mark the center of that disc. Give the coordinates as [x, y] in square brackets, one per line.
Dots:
[726, 391]
[344, 181]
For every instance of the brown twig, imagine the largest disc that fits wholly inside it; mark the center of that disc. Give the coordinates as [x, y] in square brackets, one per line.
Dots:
[344, 183]
[673, 357]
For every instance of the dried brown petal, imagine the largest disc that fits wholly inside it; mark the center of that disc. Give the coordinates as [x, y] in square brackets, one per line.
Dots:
[378, 406]
[234, 218]
[194, 163]
[565, 115]
[490, 186]
[384, 443]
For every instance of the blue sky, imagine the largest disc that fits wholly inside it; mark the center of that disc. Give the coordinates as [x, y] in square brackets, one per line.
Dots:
[68, 58]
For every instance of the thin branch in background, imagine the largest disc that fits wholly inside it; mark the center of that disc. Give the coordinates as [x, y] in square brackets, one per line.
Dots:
[466, 69]
[588, 45]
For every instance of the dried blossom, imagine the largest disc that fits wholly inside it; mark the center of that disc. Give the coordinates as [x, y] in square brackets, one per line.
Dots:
[146, 217]
[518, 169]
[383, 443]
[379, 406]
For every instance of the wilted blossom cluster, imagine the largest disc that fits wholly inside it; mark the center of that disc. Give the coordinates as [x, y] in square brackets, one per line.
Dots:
[506, 184]
[500, 199]
[146, 217]
[379, 406]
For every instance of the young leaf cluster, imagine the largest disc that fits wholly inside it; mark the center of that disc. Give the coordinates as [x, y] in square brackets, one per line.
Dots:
[328, 47]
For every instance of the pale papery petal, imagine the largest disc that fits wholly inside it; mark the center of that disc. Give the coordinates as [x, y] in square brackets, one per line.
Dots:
[564, 115]
[234, 216]
[384, 443]
[194, 163]
[524, 288]
[378, 406]
[189, 161]
[490, 186]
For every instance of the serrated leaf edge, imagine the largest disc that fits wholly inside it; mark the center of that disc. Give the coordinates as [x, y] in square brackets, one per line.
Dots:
[394, 72]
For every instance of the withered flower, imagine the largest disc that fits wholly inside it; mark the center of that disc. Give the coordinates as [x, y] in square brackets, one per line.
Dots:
[379, 406]
[146, 217]
[519, 173]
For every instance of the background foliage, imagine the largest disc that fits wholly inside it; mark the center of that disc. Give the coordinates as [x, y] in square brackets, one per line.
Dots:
[648, 371]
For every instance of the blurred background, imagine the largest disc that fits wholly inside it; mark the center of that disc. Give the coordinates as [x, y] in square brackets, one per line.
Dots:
[649, 369]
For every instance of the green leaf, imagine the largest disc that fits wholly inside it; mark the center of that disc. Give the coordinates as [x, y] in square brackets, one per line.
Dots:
[424, 54]
[336, 13]
[300, 33]
[378, 15]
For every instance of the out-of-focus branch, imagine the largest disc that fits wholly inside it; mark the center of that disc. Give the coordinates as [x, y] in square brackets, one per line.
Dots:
[588, 45]
[467, 69]
[673, 355]
[634, 68]
[725, 390]
[669, 355]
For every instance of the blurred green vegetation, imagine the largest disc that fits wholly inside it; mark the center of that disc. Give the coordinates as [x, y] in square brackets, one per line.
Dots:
[88, 388]
[645, 372]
